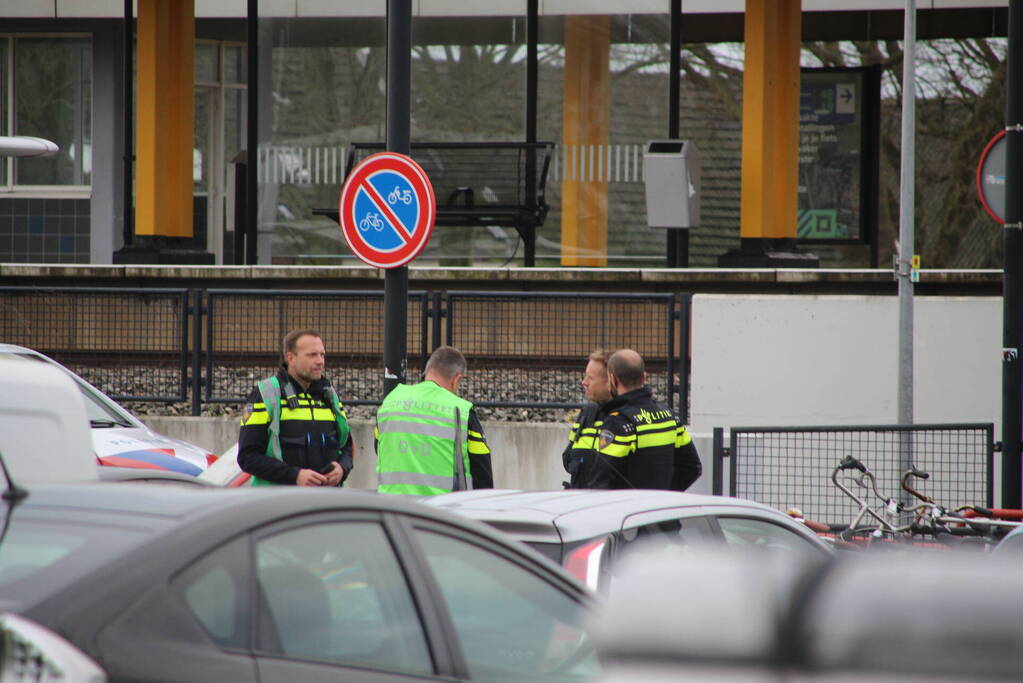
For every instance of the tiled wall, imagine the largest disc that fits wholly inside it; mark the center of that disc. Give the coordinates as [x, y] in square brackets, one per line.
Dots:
[44, 230]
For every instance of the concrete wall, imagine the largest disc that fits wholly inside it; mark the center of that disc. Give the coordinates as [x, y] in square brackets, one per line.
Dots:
[833, 360]
[526, 455]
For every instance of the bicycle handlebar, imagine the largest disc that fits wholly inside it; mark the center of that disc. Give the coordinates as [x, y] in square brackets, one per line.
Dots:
[914, 472]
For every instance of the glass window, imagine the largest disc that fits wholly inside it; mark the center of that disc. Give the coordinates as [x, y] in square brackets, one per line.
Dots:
[37, 557]
[513, 625]
[213, 589]
[745, 533]
[235, 65]
[207, 63]
[336, 592]
[53, 100]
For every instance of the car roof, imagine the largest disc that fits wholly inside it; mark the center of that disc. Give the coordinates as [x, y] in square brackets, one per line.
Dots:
[569, 515]
[232, 510]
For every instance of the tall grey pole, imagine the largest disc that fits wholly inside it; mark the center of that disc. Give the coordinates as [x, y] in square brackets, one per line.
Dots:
[1012, 279]
[399, 88]
[904, 271]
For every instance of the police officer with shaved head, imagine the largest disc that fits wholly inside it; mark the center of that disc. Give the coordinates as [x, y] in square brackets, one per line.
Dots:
[642, 443]
[429, 439]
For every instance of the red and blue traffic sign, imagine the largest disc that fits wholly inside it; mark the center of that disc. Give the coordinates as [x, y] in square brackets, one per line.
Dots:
[387, 210]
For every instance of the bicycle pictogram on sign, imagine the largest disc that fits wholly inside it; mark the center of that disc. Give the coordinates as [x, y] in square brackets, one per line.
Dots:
[387, 210]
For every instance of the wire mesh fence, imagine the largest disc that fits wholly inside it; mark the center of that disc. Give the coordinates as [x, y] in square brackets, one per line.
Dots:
[791, 466]
[526, 351]
[131, 343]
[556, 332]
[245, 329]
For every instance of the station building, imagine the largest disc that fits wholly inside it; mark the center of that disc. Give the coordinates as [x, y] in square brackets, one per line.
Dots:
[151, 104]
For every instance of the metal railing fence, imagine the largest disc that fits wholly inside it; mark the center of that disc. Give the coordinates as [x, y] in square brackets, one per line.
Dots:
[131, 343]
[791, 466]
[525, 350]
[495, 330]
[244, 330]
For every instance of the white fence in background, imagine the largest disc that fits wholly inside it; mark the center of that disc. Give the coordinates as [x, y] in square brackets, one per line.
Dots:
[325, 164]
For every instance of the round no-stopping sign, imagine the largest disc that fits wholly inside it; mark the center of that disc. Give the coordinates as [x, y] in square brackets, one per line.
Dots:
[387, 210]
[991, 177]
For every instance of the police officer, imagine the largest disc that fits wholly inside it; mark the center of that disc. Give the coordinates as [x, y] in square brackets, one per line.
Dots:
[642, 443]
[579, 457]
[421, 427]
[294, 429]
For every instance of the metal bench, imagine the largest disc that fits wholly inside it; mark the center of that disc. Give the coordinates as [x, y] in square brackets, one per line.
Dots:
[479, 183]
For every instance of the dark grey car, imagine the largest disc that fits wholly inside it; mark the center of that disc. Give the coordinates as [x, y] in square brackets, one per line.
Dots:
[179, 584]
[589, 531]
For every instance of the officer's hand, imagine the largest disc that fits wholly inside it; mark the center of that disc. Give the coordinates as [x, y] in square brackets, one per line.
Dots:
[310, 478]
[334, 476]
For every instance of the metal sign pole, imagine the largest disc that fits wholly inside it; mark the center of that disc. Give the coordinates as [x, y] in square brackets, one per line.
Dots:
[399, 87]
[1012, 279]
[904, 270]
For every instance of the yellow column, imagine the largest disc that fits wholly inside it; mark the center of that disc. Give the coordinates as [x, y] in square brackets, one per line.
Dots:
[770, 119]
[586, 131]
[165, 119]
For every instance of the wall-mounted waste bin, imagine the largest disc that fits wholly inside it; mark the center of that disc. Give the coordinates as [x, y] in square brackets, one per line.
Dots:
[671, 173]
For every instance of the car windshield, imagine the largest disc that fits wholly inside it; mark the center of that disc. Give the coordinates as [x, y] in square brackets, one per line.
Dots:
[39, 557]
[100, 412]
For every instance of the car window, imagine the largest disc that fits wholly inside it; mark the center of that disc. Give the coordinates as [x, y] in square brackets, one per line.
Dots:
[758, 534]
[512, 623]
[95, 407]
[39, 557]
[213, 589]
[335, 591]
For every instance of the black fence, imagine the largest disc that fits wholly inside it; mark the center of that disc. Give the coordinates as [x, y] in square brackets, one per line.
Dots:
[131, 343]
[788, 467]
[525, 350]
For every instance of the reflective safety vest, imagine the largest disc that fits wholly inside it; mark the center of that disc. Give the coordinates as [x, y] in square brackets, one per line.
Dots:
[270, 390]
[418, 435]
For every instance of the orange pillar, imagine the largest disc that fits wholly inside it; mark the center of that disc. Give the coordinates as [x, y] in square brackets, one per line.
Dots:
[586, 134]
[165, 119]
[770, 119]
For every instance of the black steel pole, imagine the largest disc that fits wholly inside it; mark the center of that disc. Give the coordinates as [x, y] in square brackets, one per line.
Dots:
[678, 239]
[252, 136]
[399, 89]
[1012, 282]
[129, 122]
[532, 23]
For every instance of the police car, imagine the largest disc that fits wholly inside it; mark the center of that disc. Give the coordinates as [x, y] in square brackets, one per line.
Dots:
[118, 437]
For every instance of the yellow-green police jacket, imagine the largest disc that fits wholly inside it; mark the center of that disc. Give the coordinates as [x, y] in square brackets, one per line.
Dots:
[416, 436]
[641, 443]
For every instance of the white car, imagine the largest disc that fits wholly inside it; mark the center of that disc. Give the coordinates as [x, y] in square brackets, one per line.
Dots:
[118, 437]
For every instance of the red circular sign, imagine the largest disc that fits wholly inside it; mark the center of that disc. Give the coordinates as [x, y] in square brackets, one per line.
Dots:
[991, 177]
[387, 210]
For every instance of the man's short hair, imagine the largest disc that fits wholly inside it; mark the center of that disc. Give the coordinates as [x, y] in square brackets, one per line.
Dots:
[291, 340]
[628, 367]
[446, 361]
[599, 355]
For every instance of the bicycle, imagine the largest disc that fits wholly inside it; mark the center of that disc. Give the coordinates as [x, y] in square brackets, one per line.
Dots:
[948, 528]
[371, 220]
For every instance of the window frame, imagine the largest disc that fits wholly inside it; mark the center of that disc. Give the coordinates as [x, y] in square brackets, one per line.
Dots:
[9, 188]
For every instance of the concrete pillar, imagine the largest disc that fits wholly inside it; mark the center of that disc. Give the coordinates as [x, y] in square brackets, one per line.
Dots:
[165, 118]
[770, 119]
[586, 128]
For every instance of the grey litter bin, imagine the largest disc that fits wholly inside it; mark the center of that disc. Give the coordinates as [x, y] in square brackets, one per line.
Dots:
[671, 173]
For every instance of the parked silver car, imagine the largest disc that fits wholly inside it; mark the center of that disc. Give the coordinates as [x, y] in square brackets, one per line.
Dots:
[589, 531]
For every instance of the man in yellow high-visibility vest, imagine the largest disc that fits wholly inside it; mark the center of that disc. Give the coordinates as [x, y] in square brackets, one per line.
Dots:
[429, 439]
